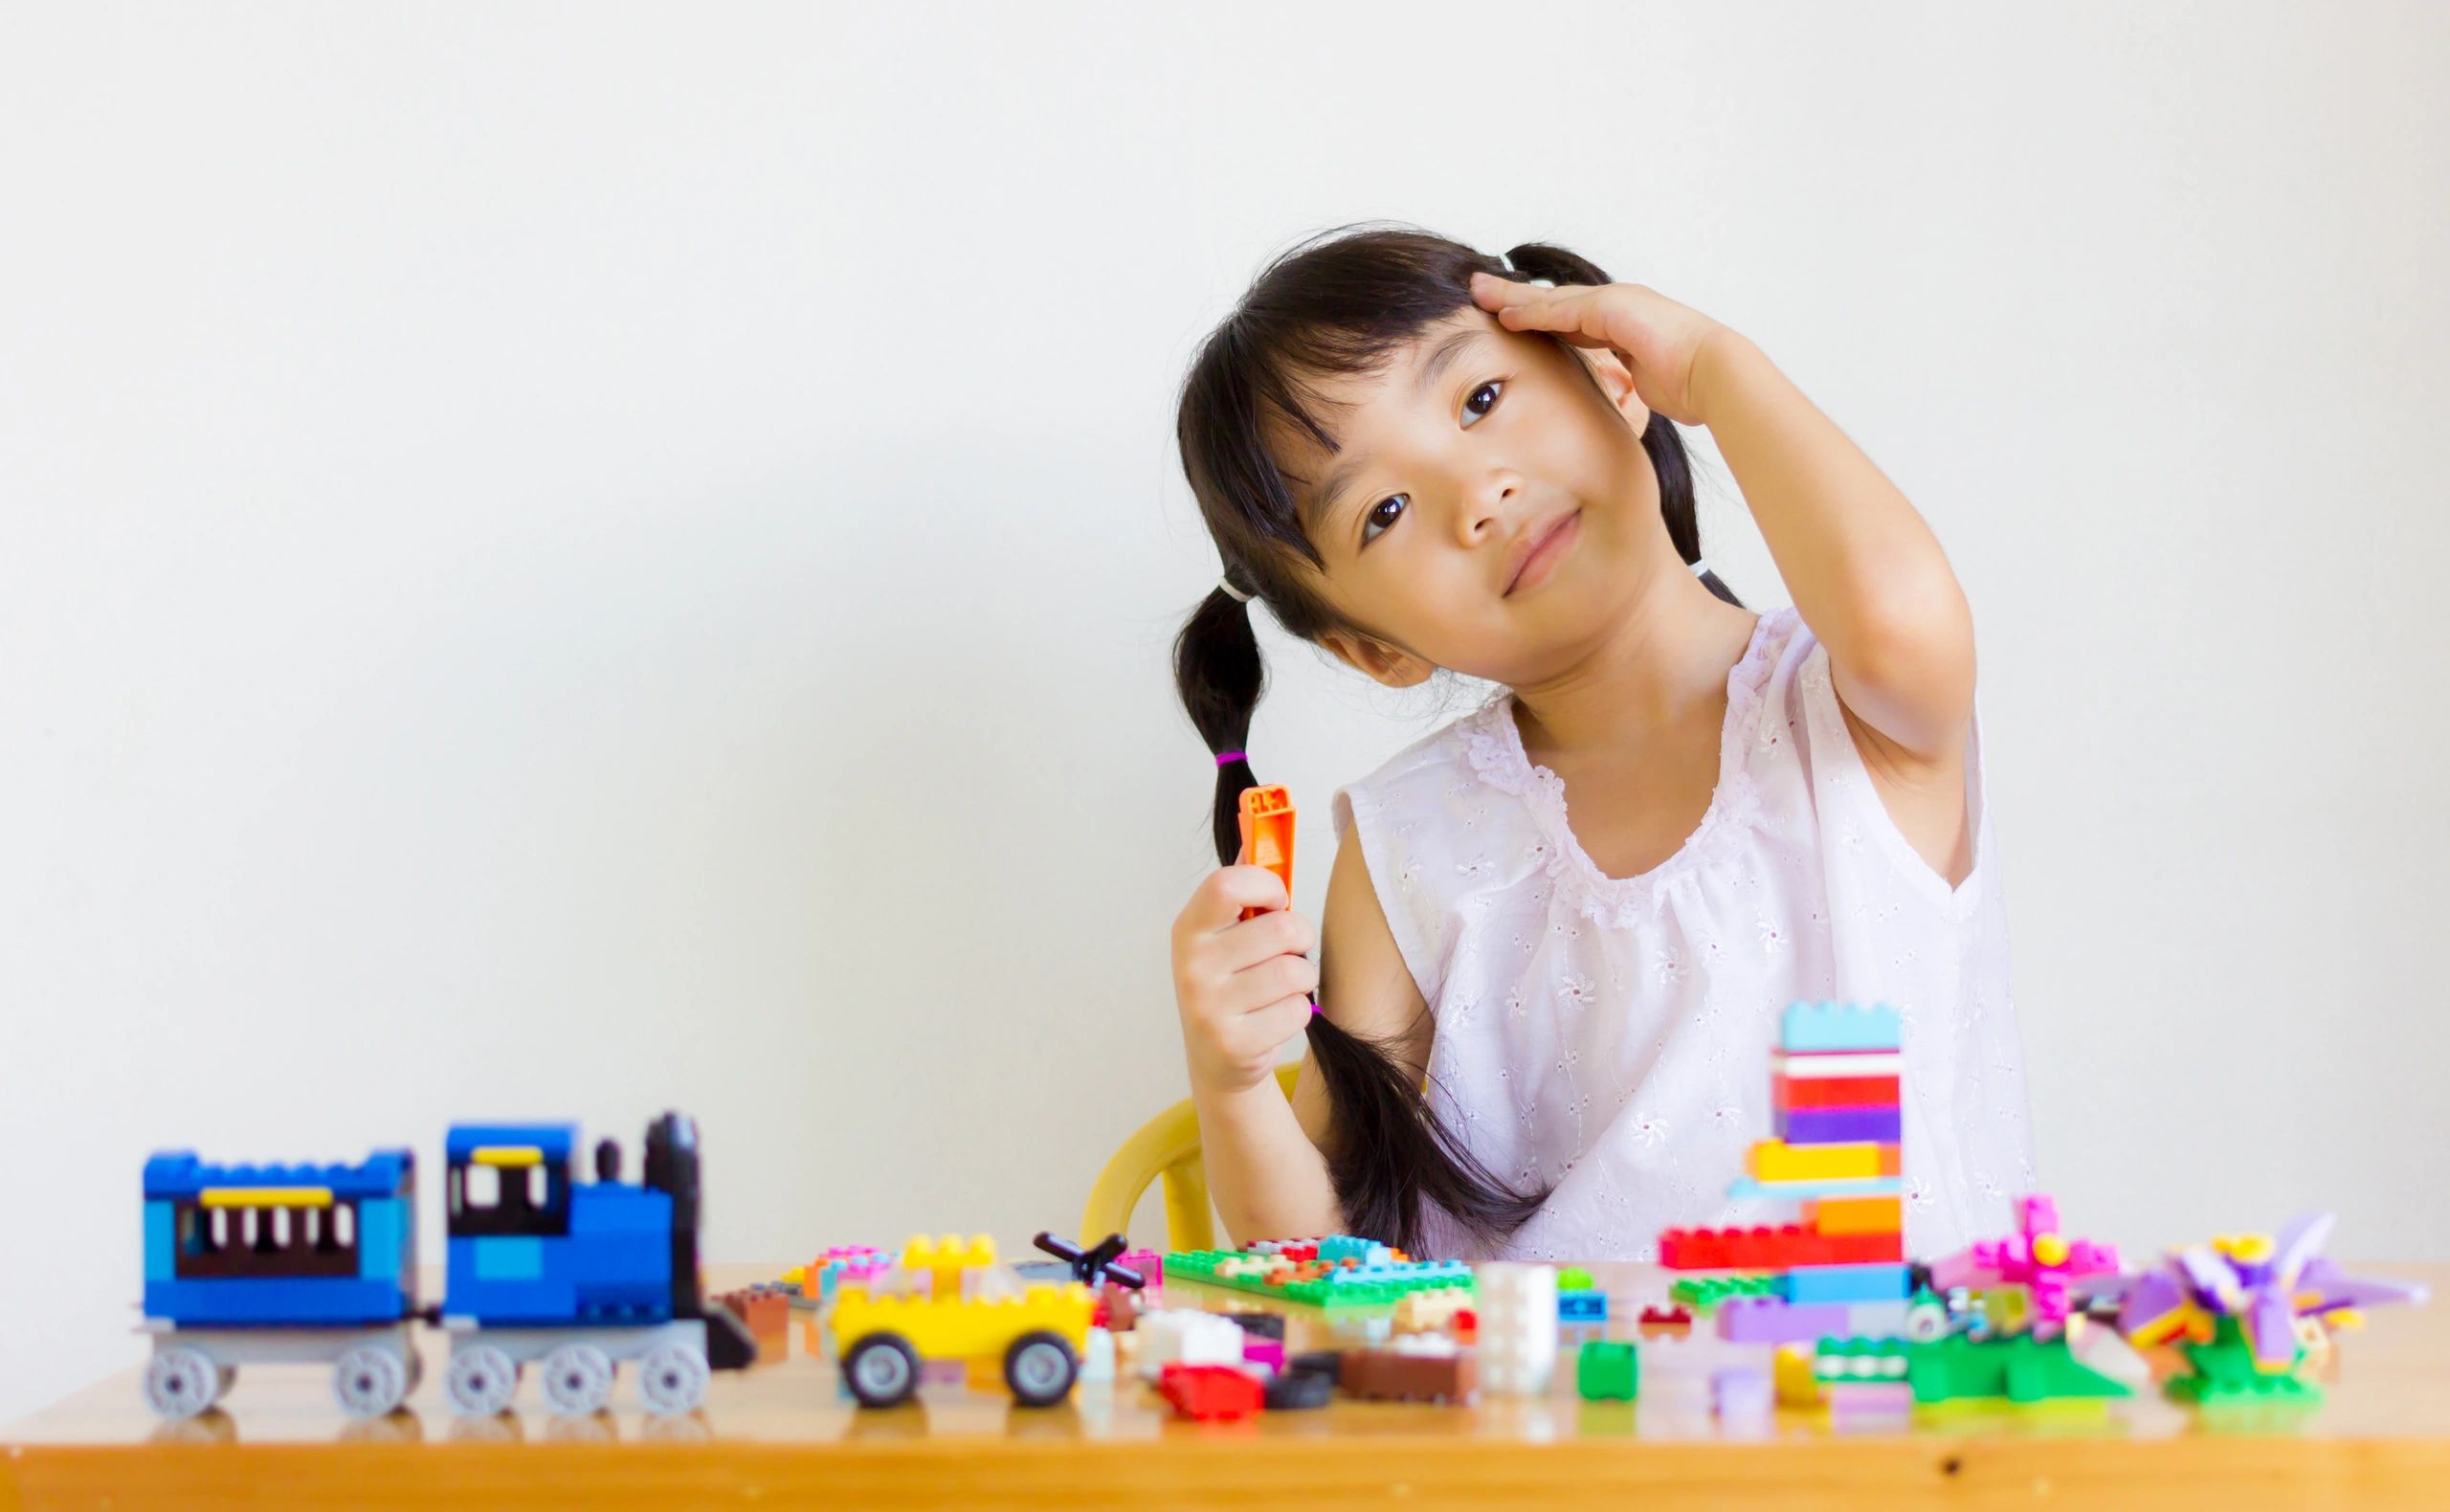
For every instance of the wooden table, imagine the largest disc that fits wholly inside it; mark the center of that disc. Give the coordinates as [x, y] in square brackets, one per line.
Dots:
[781, 1435]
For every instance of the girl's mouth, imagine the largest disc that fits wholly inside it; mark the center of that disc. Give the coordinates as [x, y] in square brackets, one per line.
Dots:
[1548, 550]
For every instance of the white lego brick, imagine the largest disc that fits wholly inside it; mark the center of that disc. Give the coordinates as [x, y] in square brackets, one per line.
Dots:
[1515, 1327]
[1187, 1335]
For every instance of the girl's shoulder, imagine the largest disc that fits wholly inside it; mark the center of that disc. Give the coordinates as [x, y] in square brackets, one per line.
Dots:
[1442, 767]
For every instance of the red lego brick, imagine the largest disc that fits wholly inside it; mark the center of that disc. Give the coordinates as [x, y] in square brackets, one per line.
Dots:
[1834, 1092]
[1766, 1249]
[1677, 1316]
[1209, 1393]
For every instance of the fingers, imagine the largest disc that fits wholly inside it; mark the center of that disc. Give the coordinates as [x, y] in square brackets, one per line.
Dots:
[1259, 1034]
[1273, 979]
[1245, 944]
[1495, 293]
[1220, 900]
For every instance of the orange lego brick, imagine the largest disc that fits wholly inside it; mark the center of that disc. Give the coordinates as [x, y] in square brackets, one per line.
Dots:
[1267, 834]
[1855, 1214]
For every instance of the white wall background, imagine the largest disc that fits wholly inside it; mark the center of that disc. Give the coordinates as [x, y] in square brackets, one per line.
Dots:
[561, 561]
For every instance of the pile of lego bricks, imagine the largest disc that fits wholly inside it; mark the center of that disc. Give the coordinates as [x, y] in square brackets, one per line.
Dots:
[1335, 1271]
[1841, 1271]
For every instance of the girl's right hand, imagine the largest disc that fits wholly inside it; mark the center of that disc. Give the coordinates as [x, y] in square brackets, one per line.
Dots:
[1242, 984]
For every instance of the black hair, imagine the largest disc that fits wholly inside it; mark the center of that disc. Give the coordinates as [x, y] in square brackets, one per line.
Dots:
[1340, 304]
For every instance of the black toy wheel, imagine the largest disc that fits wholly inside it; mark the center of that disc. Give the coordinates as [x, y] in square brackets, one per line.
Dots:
[882, 1371]
[1040, 1369]
[1297, 1391]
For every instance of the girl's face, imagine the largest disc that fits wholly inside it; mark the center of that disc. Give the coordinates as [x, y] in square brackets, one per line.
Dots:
[1491, 510]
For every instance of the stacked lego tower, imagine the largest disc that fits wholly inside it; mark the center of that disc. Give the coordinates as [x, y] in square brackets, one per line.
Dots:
[1841, 1271]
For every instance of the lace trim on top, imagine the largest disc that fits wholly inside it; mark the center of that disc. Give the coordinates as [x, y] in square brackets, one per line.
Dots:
[1493, 744]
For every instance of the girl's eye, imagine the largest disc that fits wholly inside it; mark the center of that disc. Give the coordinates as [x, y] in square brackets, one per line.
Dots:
[1382, 514]
[1475, 406]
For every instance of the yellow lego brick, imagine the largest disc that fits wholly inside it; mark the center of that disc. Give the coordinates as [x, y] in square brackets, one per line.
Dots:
[265, 1197]
[1776, 1160]
[954, 1329]
[948, 1252]
[1792, 1376]
[1855, 1214]
[506, 1155]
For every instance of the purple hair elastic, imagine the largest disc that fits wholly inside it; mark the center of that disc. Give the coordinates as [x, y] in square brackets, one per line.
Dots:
[1229, 757]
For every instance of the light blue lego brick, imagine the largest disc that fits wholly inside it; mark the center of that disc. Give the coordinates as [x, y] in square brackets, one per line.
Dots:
[1796, 1190]
[507, 1259]
[1843, 1283]
[1838, 1026]
[380, 1238]
[161, 1242]
[1346, 1247]
[1414, 1272]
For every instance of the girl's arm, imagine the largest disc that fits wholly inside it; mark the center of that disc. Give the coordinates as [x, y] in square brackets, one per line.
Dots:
[1867, 574]
[1266, 1168]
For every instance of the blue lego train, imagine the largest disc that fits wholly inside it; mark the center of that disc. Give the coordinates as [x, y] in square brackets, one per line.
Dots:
[252, 1264]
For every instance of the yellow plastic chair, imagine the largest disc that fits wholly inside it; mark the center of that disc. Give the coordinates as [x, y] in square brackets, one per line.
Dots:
[1166, 1149]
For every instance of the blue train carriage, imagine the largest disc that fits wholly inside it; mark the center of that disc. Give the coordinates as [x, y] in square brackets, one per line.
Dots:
[280, 1264]
[577, 1275]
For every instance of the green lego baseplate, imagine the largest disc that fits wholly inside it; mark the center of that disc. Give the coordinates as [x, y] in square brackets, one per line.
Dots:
[1385, 1284]
[1703, 1293]
[2224, 1371]
[2019, 1368]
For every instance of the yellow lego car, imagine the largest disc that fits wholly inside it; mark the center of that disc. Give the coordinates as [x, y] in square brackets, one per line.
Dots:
[950, 1300]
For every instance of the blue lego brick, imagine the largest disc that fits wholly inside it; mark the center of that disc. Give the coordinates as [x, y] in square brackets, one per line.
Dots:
[1854, 1125]
[161, 1242]
[544, 1301]
[177, 1176]
[1838, 1026]
[275, 1301]
[1843, 1283]
[604, 1208]
[1579, 1306]
[553, 1140]
[1796, 1190]
[383, 1225]
[508, 1259]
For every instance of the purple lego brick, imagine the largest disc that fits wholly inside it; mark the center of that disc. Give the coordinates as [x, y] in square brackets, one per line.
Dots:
[2339, 1289]
[1771, 1320]
[2299, 1243]
[2271, 1323]
[1268, 1352]
[1740, 1394]
[1868, 1396]
[2156, 1294]
[1883, 1126]
[2213, 1279]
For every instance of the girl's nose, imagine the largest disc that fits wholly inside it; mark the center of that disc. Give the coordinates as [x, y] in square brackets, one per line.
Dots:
[1486, 509]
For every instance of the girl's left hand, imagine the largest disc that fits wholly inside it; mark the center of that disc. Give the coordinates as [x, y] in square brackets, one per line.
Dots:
[1659, 340]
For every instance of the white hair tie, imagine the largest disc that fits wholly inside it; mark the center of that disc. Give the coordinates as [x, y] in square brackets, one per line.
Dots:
[1508, 264]
[1233, 592]
[1700, 568]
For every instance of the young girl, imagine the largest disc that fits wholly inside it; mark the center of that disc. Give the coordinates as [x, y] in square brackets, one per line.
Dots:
[1555, 960]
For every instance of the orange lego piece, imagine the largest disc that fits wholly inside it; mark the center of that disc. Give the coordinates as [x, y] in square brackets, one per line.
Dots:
[1267, 834]
[1855, 1214]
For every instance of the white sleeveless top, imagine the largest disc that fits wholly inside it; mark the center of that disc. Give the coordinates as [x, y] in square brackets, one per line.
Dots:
[1609, 1037]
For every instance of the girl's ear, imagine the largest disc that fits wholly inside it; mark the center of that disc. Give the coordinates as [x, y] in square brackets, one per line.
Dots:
[1617, 382]
[1377, 660]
